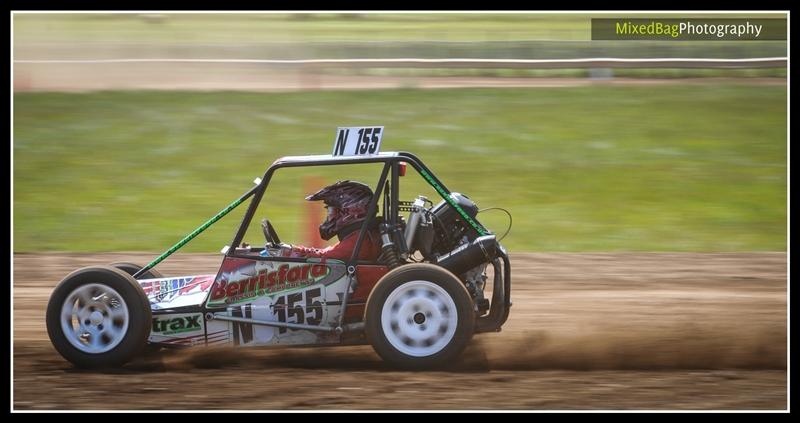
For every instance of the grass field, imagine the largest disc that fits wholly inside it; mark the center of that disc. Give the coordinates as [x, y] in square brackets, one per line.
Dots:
[259, 27]
[650, 168]
[195, 28]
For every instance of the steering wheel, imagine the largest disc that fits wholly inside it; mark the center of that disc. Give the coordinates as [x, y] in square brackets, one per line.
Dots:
[269, 233]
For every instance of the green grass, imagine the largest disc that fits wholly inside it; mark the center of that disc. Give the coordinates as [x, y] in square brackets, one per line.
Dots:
[244, 28]
[650, 168]
[193, 28]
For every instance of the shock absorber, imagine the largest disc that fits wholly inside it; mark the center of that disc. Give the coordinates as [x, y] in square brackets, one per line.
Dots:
[388, 250]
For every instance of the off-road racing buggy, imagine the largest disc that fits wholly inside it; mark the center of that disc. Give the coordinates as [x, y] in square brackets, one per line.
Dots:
[415, 314]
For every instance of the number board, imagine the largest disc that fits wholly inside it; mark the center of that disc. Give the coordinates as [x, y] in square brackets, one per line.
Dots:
[358, 141]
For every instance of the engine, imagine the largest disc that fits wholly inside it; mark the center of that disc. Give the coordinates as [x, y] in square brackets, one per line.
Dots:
[438, 230]
[443, 237]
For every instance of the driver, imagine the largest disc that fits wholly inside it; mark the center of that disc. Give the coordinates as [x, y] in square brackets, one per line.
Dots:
[347, 203]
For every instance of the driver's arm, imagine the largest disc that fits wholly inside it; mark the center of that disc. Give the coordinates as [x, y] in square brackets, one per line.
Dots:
[296, 251]
[343, 249]
[300, 251]
[340, 251]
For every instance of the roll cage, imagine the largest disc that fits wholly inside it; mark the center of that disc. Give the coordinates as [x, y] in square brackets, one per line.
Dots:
[391, 170]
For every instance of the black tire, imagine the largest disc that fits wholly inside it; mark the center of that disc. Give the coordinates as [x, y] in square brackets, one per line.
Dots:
[132, 268]
[414, 288]
[129, 342]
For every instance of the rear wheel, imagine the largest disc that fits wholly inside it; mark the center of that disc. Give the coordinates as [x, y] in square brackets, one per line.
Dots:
[98, 317]
[419, 316]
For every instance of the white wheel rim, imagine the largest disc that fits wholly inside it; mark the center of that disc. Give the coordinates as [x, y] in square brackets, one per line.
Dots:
[419, 318]
[94, 318]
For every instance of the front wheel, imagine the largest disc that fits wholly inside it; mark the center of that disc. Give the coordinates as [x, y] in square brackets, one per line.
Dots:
[98, 317]
[132, 268]
[419, 316]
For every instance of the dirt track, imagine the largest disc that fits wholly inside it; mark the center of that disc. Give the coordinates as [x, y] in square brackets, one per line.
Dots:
[587, 331]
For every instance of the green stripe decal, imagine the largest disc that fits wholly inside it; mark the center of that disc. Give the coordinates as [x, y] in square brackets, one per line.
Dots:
[446, 195]
[196, 232]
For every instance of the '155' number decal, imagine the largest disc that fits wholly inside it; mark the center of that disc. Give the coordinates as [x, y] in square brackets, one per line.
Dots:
[367, 140]
[299, 307]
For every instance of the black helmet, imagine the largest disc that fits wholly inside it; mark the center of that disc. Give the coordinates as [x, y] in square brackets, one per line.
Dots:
[347, 203]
